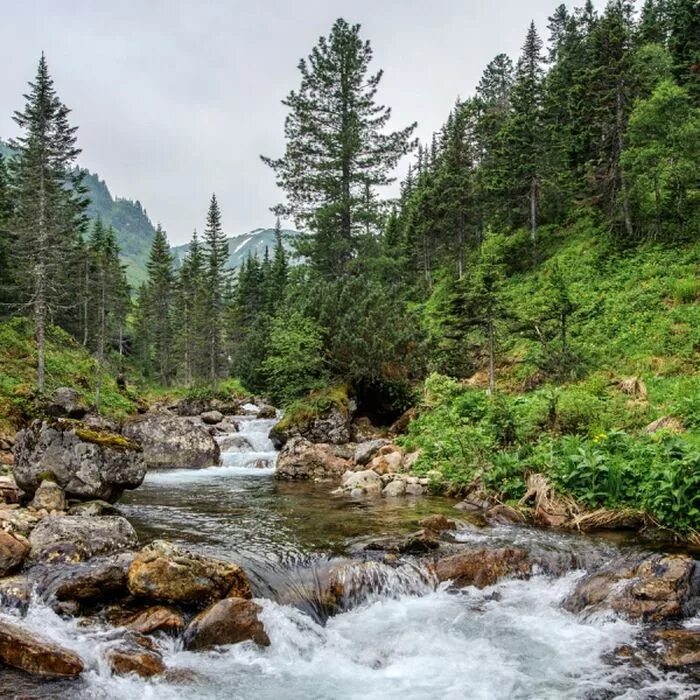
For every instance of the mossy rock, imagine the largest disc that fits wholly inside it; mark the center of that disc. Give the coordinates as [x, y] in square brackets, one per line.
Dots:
[113, 441]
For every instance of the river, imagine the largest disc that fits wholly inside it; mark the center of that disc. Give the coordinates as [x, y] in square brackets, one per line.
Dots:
[404, 639]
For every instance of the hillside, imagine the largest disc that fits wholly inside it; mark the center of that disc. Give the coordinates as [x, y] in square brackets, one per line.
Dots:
[245, 244]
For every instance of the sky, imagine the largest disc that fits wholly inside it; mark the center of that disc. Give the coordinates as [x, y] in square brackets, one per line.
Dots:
[176, 100]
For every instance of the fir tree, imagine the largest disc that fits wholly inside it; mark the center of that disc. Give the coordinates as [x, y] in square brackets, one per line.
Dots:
[48, 207]
[337, 150]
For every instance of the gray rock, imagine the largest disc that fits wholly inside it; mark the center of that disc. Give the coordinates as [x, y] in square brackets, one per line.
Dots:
[212, 417]
[301, 460]
[394, 488]
[73, 538]
[365, 451]
[86, 463]
[331, 427]
[414, 490]
[234, 442]
[66, 403]
[267, 411]
[93, 509]
[171, 442]
[49, 496]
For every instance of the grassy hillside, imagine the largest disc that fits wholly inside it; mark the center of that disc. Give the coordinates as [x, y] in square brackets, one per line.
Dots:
[635, 336]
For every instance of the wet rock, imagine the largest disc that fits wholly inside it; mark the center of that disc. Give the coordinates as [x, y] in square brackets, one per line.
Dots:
[165, 573]
[212, 417]
[93, 509]
[229, 621]
[414, 488]
[680, 647]
[504, 515]
[387, 460]
[302, 460]
[437, 523]
[132, 659]
[28, 651]
[474, 503]
[365, 451]
[66, 403]
[266, 412]
[483, 567]
[15, 591]
[9, 491]
[101, 578]
[157, 618]
[74, 538]
[49, 497]
[13, 551]
[171, 442]
[332, 426]
[419, 543]
[195, 406]
[234, 442]
[84, 462]
[654, 587]
[394, 488]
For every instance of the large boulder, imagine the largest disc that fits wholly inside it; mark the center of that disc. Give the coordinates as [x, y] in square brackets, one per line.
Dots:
[483, 567]
[332, 426]
[66, 403]
[165, 573]
[171, 442]
[13, 552]
[301, 460]
[229, 621]
[365, 451]
[86, 463]
[653, 587]
[74, 538]
[30, 652]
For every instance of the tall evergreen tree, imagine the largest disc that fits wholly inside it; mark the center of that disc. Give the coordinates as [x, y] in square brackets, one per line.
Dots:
[337, 148]
[216, 252]
[49, 206]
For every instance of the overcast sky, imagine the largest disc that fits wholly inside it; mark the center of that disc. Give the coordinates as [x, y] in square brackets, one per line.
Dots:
[176, 100]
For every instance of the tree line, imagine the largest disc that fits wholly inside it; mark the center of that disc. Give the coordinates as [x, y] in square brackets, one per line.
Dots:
[597, 127]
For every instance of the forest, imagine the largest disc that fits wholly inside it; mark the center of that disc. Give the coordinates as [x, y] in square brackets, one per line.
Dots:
[530, 297]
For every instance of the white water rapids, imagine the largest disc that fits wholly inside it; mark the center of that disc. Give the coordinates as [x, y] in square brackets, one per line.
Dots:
[406, 641]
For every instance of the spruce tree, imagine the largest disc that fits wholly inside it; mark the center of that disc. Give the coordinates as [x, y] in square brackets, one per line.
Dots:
[49, 207]
[216, 252]
[337, 148]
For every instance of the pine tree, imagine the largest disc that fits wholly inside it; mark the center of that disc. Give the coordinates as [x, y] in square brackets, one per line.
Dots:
[684, 44]
[49, 207]
[337, 149]
[6, 209]
[216, 252]
[280, 267]
[155, 308]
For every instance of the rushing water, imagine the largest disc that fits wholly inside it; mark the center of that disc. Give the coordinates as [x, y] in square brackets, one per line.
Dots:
[403, 638]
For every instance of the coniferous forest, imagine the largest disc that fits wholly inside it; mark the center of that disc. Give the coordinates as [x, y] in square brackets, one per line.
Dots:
[542, 251]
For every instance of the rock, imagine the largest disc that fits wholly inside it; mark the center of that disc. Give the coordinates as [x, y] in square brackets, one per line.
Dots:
[474, 503]
[680, 647]
[367, 482]
[165, 573]
[669, 423]
[171, 442]
[93, 509]
[66, 403]
[365, 451]
[85, 463]
[131, 658]
[409, 460]
[13, 552]
[195, 406]
[157, 618]
[387, 460]
[332, 426]
[395, 488]
[229, 621]
[419, 543]
[9, 491]
[504, 515]
[363, 430]
[30, 652]
[301, 460]
[266, 412]
[234, 442]
[437, 523]
[20, 521]
[400, 425]
[49, 497]
[74, 538]
[652, 587]
[212, 417]
[414, 489]
[98, 579]
[483, 567]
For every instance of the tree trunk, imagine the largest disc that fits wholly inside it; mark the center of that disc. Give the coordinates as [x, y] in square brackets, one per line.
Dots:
[492, 362]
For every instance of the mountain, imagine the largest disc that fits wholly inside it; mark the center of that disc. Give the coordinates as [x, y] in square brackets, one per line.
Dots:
[133, 228]
[245, 244]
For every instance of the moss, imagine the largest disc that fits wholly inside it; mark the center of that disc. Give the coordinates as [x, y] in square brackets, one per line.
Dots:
[107, 439]
[48, 476]
[304, 411]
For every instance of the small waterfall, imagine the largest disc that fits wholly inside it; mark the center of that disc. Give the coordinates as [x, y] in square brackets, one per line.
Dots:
[250, 447]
